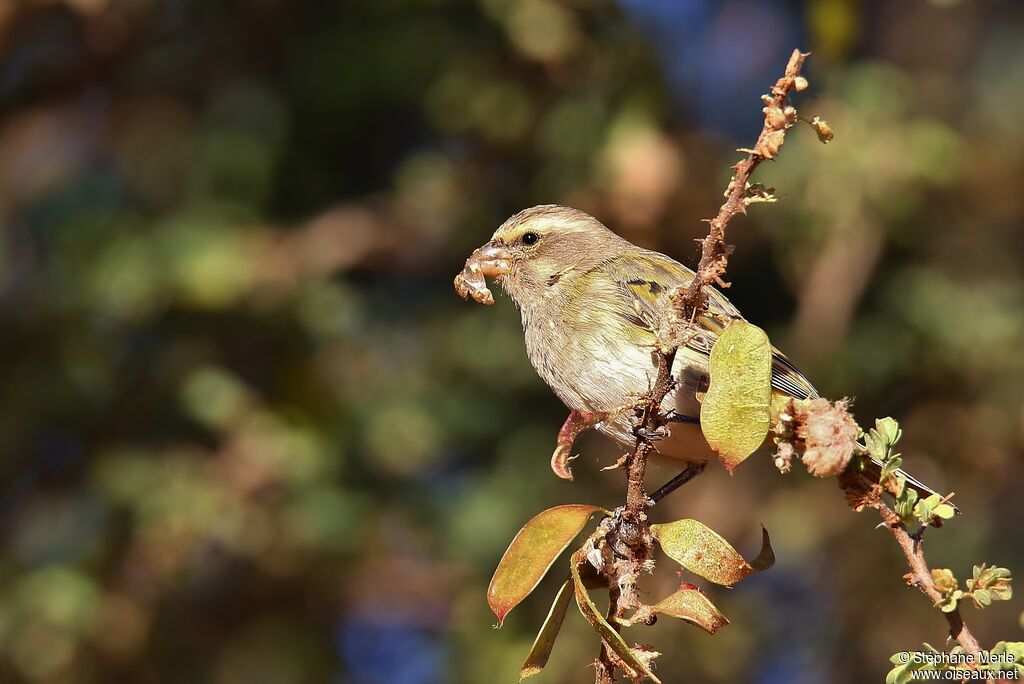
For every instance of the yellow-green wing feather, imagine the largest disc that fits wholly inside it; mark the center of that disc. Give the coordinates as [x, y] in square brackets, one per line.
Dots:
[645, 278]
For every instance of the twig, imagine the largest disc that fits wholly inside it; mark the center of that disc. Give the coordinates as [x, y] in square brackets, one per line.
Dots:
[631, 538]
[778, 117]
[921, 577]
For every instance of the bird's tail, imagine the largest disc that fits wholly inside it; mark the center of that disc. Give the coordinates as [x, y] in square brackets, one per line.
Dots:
[873, 470]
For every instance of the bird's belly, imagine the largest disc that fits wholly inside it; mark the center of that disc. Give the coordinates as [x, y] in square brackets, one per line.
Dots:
[606, 377]
[610, 374]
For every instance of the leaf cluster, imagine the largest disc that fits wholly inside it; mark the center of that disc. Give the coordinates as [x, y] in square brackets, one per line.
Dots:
[1005, 657]
[880, 442]
[690, 543]
[987, 585]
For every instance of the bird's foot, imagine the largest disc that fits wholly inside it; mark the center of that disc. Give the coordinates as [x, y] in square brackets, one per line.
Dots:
[651, 434]
[662, 429]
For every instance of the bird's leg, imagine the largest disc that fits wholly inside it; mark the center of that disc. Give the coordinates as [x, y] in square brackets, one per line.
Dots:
[691, 471]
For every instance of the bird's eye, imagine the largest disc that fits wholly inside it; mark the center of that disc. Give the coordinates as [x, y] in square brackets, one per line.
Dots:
[530, 238]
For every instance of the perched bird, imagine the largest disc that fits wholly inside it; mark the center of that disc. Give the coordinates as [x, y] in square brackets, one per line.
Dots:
[591, 303]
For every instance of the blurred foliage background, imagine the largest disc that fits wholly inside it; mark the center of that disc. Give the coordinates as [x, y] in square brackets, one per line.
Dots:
[248, 433]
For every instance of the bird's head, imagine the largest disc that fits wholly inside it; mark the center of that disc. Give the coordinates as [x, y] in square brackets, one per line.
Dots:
[539, 248]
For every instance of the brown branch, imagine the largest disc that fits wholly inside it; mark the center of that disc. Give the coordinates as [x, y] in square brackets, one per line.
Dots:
[778, 117]
[630, 539]
[921, 577]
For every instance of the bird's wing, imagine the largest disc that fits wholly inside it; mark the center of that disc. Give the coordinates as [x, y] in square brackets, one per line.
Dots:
[645, 278]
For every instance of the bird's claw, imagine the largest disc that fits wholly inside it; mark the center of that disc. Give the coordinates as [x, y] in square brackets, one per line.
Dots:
[653, 433]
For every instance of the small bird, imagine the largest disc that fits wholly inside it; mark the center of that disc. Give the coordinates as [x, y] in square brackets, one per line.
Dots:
[590, 303]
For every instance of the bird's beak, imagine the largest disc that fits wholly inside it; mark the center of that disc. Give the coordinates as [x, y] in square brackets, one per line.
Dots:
[494, 260]
[491, 261]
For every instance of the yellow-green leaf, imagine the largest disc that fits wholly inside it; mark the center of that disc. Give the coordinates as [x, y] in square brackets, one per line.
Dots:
[614, 640]
[545, 641]
[532, 552]
[944, 580]
[703, 552]
[691, 604]
[734, 415]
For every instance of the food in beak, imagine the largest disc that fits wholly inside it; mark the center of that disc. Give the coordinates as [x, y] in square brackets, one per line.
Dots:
[490, 261]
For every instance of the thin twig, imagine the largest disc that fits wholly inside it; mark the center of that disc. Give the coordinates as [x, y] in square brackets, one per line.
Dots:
[921, 577]
[778, 117]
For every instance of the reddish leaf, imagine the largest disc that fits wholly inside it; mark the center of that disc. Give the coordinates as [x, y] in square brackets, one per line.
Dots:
[689, 603]
[532, 552]
[703, 552]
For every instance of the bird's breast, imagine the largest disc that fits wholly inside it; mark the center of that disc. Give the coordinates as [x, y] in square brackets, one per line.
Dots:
[588, 366]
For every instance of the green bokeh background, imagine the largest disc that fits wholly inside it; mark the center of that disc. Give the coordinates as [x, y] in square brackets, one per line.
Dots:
[249, 434]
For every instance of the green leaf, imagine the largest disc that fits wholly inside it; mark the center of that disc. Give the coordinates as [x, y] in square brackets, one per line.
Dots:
[890, 468]
[906, 502]
[1007, 656]
[889, 429]
[989, 584]
[924, 508]
[735, 415]
[907, 665]
[532, 552]
[874, 444]
[703, 552]
[881, 439]
[933, 507]
[948, 603]
[1001, 592]
[904, 671]
[614, 640]
[944, 580]
[691, 604]
[987, 577]
[545, 641]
